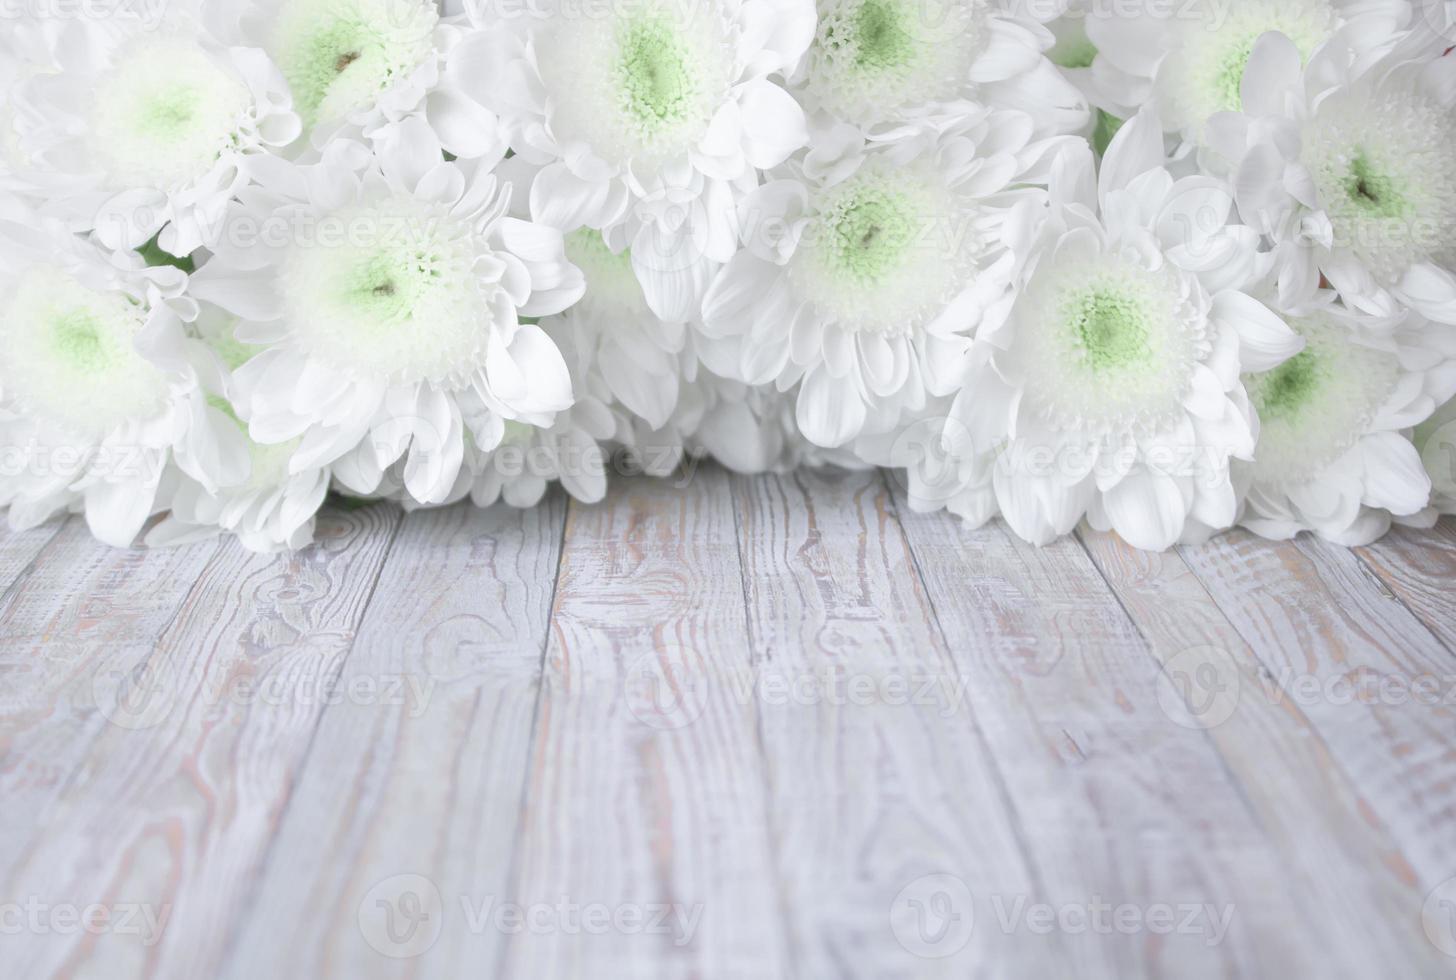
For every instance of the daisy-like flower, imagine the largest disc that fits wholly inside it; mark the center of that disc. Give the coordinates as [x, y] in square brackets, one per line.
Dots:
[385, 284]
[266, 506]
[143, 130]
[867, 265]
[877, 61]
[1113, 389]
[1187, 59]
[649, 121]
[101, 392]
[1334, 456]
[1346, 166]
[370, 64]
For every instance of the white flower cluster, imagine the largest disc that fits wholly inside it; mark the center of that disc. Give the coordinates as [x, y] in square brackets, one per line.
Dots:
[1164, 265]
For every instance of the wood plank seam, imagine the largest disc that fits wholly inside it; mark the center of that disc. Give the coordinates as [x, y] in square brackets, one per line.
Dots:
[250, 898]
[1233, 778]
[1016, 822]
[791, 939]
[1395, 595]
[513, 873]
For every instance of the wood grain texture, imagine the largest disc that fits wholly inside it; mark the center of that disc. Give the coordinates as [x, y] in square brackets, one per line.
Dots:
[1371, 679]
[1117, 801]
[1419, 567]
[197, 774]
[1313, 814]
[412, 788]
[877, 772]
[74, 631]
[647, 779]
[733, 727]
[18, 549]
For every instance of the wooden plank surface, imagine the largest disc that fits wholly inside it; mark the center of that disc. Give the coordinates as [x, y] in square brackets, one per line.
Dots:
[1375, 684]
[1314, 815]
[1118, 802]
[403, 819]
[648, 796]
[726, 727]
[878, 775]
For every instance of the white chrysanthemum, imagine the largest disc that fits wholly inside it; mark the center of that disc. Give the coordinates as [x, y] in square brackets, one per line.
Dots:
[1347, 168]
[266, 506]
[385, 285]
[1333, 454]
[866, 267]
[875, 61]
[370, 65]
[151, 130]
[102, 391]
[649, 122]
[1113, 389]
[1188, 59]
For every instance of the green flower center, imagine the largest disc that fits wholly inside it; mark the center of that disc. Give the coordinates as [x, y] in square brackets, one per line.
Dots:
[166, 115]
[868, 234]
[339, 55]
[1111, 328]
[657, 82]
[1285, 391]
[321, 58]
[76, 341]
[882, 40]
[67, 353]
[1373, 191]
[1228, 79]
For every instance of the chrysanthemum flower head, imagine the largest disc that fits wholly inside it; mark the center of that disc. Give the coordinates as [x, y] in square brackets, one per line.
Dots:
[648, 121]
[876, 61]
[385, 284]
[1334, 454]
[1188, 59]
[1113, 389]
[100, 398]
[867, 264]
[1344, 165]
[149, 129]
